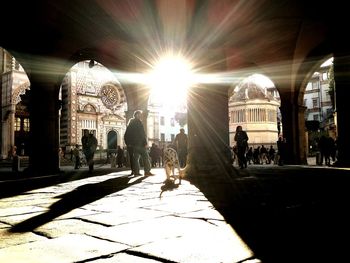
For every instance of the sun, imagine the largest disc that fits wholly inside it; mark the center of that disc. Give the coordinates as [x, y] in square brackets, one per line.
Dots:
[170, 79]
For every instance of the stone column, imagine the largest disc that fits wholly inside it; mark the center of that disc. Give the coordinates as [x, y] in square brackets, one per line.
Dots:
[44, 127]
[208, 130]
[341, 64]
[303, 150]
[4, 141]
[293, 122]
[8, 133]
[128, 115]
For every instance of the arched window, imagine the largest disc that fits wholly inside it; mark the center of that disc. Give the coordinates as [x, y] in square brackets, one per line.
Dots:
[112, 140]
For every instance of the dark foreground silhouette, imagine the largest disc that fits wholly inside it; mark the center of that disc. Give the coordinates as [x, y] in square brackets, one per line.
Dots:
[285, 214]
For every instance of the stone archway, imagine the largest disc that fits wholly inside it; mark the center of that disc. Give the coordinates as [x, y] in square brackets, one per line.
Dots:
[15, 120]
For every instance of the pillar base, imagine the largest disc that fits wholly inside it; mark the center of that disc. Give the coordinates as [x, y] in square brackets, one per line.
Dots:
[31, 171]
[203, 163]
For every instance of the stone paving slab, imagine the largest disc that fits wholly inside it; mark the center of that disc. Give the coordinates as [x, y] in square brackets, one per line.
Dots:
[127, 215]
[34, 200]
[285, 214]
[69, 248]
[13, 219]
[58, 228]
[13, 239]
[126, 258]
[200, 243]
[97, 220]
[12, 211]
[152, 230]
[208, 214]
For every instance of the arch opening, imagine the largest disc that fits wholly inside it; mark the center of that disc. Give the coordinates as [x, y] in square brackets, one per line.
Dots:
[320, 111]
[92, 99]
[15, 114]
[254, 105]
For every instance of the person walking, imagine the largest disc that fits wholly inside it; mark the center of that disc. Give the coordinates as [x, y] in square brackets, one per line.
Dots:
[249, 155]
[281, 150]
[181, 143]
[271, 155]
[120, 156]
[155, 155]
[15, 159]
[89, 143]
[322, 146]
[241, 139]
[76, 154]
[136, 141]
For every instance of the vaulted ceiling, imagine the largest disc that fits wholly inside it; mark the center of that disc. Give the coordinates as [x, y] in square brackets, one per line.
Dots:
[276, 36]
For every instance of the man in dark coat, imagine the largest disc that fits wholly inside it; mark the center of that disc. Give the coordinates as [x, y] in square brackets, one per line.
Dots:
[136, 142]
[241, 139]
[89, 143]
[181, 142]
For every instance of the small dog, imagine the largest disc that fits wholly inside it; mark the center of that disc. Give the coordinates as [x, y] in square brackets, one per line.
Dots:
[171, 163]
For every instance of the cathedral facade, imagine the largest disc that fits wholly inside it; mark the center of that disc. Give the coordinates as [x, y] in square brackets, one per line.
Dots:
[93, 99]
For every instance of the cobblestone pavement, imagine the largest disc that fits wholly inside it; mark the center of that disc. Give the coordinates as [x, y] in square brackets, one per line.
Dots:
[260, 214]
[115, 218]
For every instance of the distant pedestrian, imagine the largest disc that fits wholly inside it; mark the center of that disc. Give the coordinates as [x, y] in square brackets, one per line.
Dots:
[263, 155]
[249, 155]
[271, 155]
[15, 159]
[241, 139]
[89, 143]
[256, 155]
[322, 146]
[281, 150]
[76, 153]
[120, 156]
[155, 153]
[181, 143]
[329, 151]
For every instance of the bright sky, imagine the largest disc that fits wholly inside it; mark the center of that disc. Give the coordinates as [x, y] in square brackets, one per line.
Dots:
[170, 79]
[260, 79]
[327, 62]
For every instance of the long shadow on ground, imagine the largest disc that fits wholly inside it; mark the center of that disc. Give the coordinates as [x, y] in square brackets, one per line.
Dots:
[23, 182]
[81, 196]
[286, 214]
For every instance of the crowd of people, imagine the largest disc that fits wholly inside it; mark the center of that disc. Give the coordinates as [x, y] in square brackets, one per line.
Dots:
[122, 157]
[327, 148]
[258, 155]
[137, 153]
[243, 154]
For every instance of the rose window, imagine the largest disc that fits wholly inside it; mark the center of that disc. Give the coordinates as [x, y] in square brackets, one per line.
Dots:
[110, 96]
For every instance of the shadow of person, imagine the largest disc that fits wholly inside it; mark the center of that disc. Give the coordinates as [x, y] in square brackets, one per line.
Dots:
[168, 185]
[10, 186]
[80, 196]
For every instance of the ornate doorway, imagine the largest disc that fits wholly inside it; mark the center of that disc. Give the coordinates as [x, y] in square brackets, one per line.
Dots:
[112, 141]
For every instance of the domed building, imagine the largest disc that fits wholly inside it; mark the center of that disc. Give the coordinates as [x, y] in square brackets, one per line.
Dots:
[256, 109]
